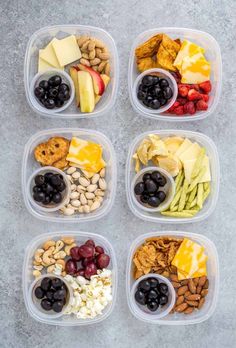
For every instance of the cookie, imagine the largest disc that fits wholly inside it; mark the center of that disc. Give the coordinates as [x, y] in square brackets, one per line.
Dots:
[52, 151]
[61, 164]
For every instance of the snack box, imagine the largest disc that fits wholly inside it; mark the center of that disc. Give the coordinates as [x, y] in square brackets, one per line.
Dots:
[29, 165]
[213, 275]
[212, 54]
[41, 38]
[211, 151]
[27, 277]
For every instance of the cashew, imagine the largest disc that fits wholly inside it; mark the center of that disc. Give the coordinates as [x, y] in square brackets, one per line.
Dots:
[85, 55]
[84, 61]
[38, 255]
[68, 240]
[92, 54]
[60, 255]
[68, 247]
[98, 43]
[38, 268]
[95, 61]
[59, 246]
[47, 257]
[50, 269]
[91, 45]
[36, 273]
[81, 40]
[61, 262]
[36, 263]
[48, 244]
[84, 47]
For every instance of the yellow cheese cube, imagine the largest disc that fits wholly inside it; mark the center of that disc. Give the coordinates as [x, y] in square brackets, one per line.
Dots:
[195, 69]
[67, 50]
[187, 49]
[202, 270]
[48, 55]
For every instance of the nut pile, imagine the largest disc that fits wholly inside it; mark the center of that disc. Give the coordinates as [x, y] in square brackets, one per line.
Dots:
[94, 54]
[190, 293]
[51, 256]
[86, 194]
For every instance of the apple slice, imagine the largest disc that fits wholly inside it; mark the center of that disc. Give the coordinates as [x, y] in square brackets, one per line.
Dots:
[98, 84]
[106, 80]
[86, 93]
[74, 75]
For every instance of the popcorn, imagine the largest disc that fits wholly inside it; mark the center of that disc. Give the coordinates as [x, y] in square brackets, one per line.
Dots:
[90, 297]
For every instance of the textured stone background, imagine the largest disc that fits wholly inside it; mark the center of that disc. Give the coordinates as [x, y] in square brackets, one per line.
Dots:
[124, 20]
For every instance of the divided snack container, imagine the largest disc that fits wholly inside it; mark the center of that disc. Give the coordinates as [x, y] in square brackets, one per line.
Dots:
[209, 204]
[29, 164]
[212, 54]
[27, 277]
[212, 274]
[41, 38]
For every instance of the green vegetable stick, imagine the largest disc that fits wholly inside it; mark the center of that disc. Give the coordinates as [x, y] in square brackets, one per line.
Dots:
[193, 203]
[176, 198]
[206, 193]
[178, 214]
[192, 194]
[198, 163]
[187, 206]
[180, 182]
[206, 185]
[183, 196]
[200, 195]
[177, 179]
[197, 179]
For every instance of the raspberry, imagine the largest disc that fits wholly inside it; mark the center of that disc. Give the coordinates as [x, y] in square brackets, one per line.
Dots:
[205, 86]
[201, 105]
[183, 90]
[182, 101]
[189, 108]
[175, 105]
[194, 95]
[179, 110]
[205, 97]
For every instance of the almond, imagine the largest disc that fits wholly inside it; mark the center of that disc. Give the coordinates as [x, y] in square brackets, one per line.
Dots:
[199, 289]
[196, 280]
[206, 285]
[174, 278]
[184, 282]
[173, 269]
[180, 300]
[180, 308]
[182, 290]
[192, 303]
[202, 280]
[193, 297]
[192, 286]
[176, 285]
[189, 310]
[187, 293]
[201, 302]
[204, 292]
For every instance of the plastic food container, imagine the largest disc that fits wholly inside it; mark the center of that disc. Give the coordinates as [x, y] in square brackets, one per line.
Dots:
[213, 276]
[52, 206]
[209, 204]
[29, 165]
[212, 54]
[142, 312]
[28, 278]
[162, 74]
[40, 39]
[169, 189]
[45, 75]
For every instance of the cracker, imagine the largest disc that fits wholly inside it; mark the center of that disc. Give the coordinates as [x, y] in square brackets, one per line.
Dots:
[61, 164]
[149, 47]
[55, 149]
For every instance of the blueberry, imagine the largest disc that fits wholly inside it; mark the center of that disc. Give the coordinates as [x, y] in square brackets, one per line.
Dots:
[57, 306]
[63, 95]
[146, 176]
[39, 293]
[163, 83]
[143, 88]
[163, 288]
[39, 180]
[141, 95]
[57, 197]
[150, 186]
[52, 93]
[57, 283]
[155, 91]
[54, 81]
[37, 189]
[60, 294]
[144, 198]
[64, 87]
[139, 188]
[161, 196]
[140, 297]
[59, 103]
[152, 306]
[49, 189]
[152, 294]
[162, 101]
[147, 101]
[46, 304]
[61, 187]
[167, 93]
[155, 104]
[50, 295]
[39, 196]
[47, 200]
[39, 92]
[163, 299]
[155, 80]
[49, 103]
[44, 84]
[47, 176]
[153, 201]
[153, 282]
[147, 80]
[46, 283]
[144, 285]
[55, 180]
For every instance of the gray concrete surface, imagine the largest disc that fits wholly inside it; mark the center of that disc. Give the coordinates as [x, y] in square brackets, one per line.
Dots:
[124, 20]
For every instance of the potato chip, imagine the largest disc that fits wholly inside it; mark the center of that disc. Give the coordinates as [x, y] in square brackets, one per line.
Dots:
[142, 151]
[137, 163]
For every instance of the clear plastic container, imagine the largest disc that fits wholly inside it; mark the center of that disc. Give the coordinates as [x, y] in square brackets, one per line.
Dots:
[208, 206]
[42, 37]
[29, 164]
[142, 312]
[28, 278]
[212, 54]
[212, 274]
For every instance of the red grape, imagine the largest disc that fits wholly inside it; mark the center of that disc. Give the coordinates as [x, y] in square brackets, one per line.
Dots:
[103, 260]
[74, 253]
[80, 272]
[87, 260]
[99, 249]
[86, 251]
[71, 267]
[90, 242]
[90, 270]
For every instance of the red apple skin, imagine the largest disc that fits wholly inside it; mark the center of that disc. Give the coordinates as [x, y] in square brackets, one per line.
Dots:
[98, 84]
